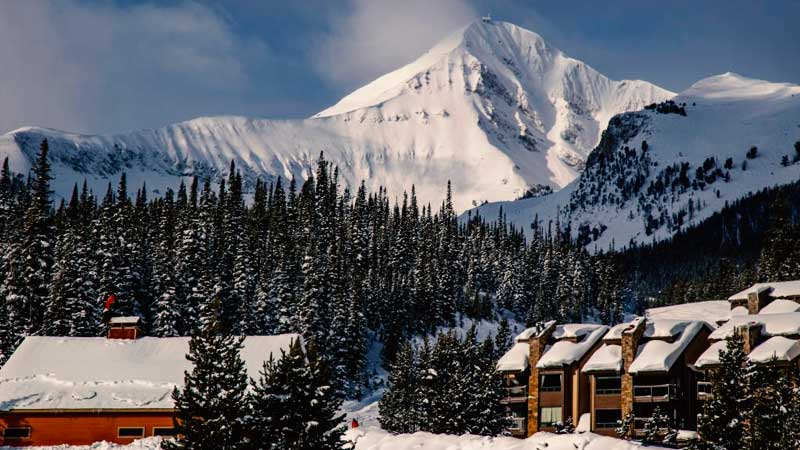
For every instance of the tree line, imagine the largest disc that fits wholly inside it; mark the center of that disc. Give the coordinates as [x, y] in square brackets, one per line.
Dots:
[310, 257]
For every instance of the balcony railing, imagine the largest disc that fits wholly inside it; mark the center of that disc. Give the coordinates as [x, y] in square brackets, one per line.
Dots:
[608, 391]
[704, 390]
[516, 394]
[516, 424]
[654, 393]
[638, 427]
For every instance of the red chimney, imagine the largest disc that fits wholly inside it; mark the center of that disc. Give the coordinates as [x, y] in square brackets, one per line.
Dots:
[123, 327]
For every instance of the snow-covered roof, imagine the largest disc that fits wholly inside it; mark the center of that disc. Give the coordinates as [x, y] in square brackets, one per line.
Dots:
[128, 320]
[711, 311]
[776, 289]
[780, 306]
[658, 355]
[534, 331]
[565, 352]
[516, 359]
[615, 333]
[785, 324]
[573, 330]
[776, 348]
[100, 373]
[607, 358]
[739, 311]
[664, 328]
[710, 357]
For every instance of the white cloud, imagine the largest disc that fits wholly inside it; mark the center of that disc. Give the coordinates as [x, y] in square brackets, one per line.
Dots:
[376, 36]
[68, 65]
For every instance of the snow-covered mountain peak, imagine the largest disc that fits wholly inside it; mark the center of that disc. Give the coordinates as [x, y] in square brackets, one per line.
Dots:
[672, 165]
[731, 86]
[492, 107]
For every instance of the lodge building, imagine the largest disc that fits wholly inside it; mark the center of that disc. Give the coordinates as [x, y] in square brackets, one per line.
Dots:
[595, 375]
[81, 390]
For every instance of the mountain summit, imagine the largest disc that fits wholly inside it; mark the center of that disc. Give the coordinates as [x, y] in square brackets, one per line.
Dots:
[670, 166]
[492, 107]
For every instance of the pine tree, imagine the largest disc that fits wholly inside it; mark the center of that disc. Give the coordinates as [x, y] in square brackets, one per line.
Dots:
[29, 261]
[721, 422]
[503, 338]
[167, 320]
[210, 408]
[271, 422]
[398, 406]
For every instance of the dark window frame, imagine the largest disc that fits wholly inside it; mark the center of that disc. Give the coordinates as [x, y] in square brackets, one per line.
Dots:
[605, 425]
[129, 429]
[607, 390]
[544, 388]
[26, 436]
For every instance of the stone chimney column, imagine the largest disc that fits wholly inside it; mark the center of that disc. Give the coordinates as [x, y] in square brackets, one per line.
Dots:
[629, 345]
[751, 334]
[757, 300]
[537, 344]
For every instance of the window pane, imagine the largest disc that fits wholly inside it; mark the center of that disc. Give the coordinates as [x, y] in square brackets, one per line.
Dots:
[608, 385]
[549, 416]
[16, 433]
[131, 432]
[607, 418]
[163, 431]
[550, 382]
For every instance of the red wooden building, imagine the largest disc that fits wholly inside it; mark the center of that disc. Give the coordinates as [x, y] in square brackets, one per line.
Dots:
[80, 390]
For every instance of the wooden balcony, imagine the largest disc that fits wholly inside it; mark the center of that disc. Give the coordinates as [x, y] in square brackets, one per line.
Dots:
[638, 427]
[654, 393]
[515, 394]
[704, 390]
[516, 424]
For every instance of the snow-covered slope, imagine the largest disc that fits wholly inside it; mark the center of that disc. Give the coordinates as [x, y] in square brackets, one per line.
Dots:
[695, 161]
[492, 107]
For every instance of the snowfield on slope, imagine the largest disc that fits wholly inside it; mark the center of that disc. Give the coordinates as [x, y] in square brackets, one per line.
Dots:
[726, 115]
[493, 107]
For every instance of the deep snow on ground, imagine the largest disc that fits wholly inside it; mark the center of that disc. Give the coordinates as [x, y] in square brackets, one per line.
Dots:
[375, 439]
[369, 438]
[151, 443]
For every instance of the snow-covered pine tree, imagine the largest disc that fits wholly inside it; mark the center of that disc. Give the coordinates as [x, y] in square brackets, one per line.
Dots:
[399, 405]
[503, 339]
[73, 309]
[487, 415]
[29, 261]
[320, 423]
[771, 407]
[210, 408]
[167, 320]
[721, 422]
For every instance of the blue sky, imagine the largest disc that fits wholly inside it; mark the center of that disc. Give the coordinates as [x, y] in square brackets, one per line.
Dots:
[107, 66]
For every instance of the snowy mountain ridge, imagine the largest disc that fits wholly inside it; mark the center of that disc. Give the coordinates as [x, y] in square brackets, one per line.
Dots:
[672, 165]
[492, 107]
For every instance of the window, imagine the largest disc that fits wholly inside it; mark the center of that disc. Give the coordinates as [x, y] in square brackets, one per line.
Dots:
[17, 433]
[130, 432]
[549, 416]
[163, 431]
[607, 418]
[550, 382]
[607, 385]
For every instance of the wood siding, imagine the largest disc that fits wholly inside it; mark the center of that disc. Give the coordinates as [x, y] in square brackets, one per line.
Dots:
[80, 428]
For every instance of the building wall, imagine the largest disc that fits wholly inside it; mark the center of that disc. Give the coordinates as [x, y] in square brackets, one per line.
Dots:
[80, 428]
